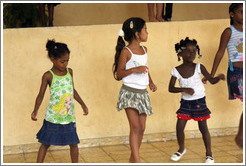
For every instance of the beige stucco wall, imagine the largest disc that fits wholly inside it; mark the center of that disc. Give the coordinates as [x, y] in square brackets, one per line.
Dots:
[116, 13]
[92, 53]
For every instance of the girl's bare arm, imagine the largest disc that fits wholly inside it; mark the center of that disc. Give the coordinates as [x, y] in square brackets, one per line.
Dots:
[46, 78]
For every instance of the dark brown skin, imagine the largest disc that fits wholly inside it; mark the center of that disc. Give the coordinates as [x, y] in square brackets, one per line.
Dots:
[237, 17]
[187, 70]
[59, 68]
[225, 37]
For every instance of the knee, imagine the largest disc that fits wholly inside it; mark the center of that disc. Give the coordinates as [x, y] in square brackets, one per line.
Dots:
[45, 146]
[138, 129]
[142, 129]
[203, 130]
[73, 146]
[179, 130]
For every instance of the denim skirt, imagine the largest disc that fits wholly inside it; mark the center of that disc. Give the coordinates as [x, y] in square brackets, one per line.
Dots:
[235, 83]
[58, 134]
[134, 98]
[193, 109]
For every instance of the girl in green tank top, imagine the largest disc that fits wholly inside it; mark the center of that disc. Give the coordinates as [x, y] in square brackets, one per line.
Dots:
[59, 123]
[61, 105]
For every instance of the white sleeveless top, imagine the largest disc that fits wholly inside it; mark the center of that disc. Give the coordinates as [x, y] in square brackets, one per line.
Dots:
[193, 82]
[235, 45]
[137, 80]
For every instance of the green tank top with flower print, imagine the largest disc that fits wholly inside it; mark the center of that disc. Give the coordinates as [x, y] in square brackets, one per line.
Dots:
[61, 104]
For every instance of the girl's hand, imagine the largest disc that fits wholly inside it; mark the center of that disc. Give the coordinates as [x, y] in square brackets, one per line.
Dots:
[34, 116]
[141, 69]
[221, 76]
[152, 87]
[204, 80]
[190, 91]
[85, 110]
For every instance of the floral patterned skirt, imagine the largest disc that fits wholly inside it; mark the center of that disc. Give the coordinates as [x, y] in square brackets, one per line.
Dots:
[235, 83]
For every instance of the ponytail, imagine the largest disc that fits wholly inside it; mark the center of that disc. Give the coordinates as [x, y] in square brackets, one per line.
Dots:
[129, 28]
[120, 45]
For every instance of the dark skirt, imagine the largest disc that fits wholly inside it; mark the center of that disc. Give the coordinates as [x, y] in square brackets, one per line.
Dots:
[193, 109]
[58, 134]
[235, 83]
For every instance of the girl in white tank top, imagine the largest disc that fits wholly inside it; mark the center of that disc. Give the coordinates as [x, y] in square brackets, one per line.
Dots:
[131, 65]
[137, 80]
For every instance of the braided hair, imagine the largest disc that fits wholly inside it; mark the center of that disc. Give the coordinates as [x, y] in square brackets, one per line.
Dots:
[181, 46]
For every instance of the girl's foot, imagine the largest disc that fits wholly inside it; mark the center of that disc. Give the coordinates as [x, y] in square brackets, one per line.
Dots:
[177, 155]
[239, 141]
[131, 160]
[160, 19]
[209, 159]
[153, 19]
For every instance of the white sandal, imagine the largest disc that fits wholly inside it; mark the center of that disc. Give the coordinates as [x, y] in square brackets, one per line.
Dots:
[177, 155]
[209, 159]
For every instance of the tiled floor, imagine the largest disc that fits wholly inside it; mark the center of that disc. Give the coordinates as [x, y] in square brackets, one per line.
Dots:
[223, 148]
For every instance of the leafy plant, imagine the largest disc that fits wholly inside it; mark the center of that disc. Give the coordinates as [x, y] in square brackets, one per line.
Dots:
[21, 15]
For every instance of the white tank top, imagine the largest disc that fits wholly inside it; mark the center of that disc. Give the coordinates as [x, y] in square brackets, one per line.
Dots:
[137, 80]
[193, 82]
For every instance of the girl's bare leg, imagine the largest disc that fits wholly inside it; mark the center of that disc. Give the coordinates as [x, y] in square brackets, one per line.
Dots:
[239, 136]
[136, 133]
[74, 153]
[159, 7]
[142, 121]
[180, 134]
[205, 136]
[42, 153]
[151, 12]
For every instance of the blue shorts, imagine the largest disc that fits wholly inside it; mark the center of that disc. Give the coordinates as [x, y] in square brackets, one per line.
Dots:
[235, 83]
[58, 134]
[193, 109]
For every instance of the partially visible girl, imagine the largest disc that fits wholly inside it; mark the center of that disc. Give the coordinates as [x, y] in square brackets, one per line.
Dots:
[232, 39]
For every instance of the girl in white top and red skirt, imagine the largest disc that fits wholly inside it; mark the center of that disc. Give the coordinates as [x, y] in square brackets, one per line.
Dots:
[193, 101]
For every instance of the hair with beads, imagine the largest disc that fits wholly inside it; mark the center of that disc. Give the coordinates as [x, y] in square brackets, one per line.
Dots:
[56, 50]
[179, 47]
[130, 27]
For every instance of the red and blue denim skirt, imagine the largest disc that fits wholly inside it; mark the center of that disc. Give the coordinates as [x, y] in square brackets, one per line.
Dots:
[58, 134]
[235, 83]
[193, 109]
